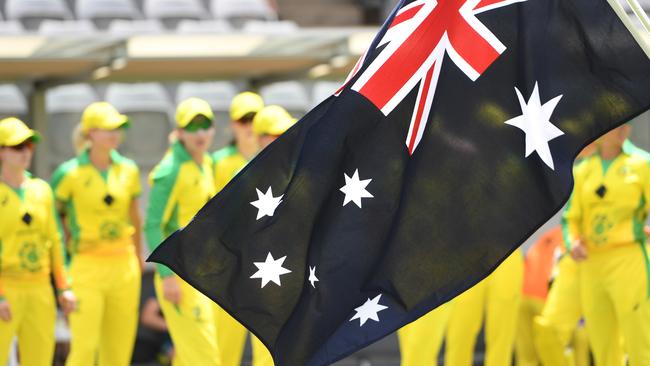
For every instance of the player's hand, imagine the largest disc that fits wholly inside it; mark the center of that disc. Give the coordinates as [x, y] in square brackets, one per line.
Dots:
[646, 229]
[171, 290]
[579, 251]
[5, 311]
[68, 302]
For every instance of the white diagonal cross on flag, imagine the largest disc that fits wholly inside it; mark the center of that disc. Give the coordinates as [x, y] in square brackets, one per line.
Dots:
[417, 40]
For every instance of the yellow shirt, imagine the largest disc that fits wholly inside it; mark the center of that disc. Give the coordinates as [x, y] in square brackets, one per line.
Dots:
[227, 163]
[179, 189]
[97, 204]
[609, 203]
[30, 240]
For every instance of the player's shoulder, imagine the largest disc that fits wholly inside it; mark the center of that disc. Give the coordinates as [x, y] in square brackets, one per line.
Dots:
[224, 154]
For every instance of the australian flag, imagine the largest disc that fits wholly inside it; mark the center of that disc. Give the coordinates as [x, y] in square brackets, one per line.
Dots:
[450, 143]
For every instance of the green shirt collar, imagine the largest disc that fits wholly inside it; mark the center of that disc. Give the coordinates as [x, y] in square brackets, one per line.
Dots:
[84, 157]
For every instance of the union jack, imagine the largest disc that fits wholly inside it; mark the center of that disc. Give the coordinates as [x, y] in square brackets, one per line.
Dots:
[419, 36]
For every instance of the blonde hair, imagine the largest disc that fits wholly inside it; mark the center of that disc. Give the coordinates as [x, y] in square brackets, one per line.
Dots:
[80, 140]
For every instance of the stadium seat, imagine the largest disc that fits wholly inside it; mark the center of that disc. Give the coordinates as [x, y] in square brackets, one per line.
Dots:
[148, 107]
[12, 102]
[291, 95]
[64, 106]
[11, 27]
[121, 27]
[66, 27]
[102, 12]
[32, 12]
[279, 27]
[241, 10]
[218, 94]
[323, 90]
[203, 26]
[171, 12]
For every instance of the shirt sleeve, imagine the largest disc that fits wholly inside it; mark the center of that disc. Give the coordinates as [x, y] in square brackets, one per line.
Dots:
[136, 186]
[61, 185]
[159, 210]
[57, 255]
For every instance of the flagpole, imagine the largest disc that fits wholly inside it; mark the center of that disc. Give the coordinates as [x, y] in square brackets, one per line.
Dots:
[636, 33]
[640, 13]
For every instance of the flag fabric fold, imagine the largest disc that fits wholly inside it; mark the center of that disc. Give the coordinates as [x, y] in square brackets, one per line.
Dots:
[450, 143]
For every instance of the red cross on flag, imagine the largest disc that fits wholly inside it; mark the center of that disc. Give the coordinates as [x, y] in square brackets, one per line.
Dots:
[417, 40]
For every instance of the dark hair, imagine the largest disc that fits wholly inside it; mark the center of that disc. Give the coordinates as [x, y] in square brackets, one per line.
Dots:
[247, 118]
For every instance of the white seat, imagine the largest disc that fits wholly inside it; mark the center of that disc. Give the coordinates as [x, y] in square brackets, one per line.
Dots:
[121, 27]
[171, 12]
[66, 27]
[64, 106]
[219, 95]
[291, 95]
[148, 107]
[323, 90]
[33, 12]
[265, 27]
[203, 26]
[104, 11]
[12, 101]
[11, 27]
[243, 9]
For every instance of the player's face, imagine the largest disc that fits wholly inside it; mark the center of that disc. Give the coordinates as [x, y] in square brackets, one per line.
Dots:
[266, 140]
[197, 142]
[106, 139]
[615, 138]
[17, 157]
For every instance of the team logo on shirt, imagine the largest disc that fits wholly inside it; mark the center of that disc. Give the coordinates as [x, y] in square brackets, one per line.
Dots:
[110, 230]
[30, 256]
[600, 226]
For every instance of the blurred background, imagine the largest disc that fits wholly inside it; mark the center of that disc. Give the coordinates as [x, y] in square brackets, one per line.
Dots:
[144, 56]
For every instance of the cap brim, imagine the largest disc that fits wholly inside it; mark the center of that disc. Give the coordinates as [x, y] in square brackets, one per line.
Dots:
[120, 121]
[190, 117]
[22, 137]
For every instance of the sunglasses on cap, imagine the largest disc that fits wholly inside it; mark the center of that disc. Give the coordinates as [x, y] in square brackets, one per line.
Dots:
[199, 123]
[27, 144]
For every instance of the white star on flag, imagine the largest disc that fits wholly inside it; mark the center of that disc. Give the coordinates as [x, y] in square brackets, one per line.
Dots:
[312, 276]
[355, 189]
[266, 203]
[536, 124]
[369, 310]
[270, 270]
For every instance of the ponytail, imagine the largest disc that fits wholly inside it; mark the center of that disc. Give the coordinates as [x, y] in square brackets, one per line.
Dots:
[80, 140]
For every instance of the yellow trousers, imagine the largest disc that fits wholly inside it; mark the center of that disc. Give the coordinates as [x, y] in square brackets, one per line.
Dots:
[614, 290]
[231, 336]
[33, 316]
[497, 296]
[191, 326]
[420, 341]
[103, 326]
[559, 340]
[525, 351]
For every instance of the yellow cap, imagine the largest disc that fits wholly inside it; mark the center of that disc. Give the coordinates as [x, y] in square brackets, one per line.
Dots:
[272, 120]
[188, 109]
[14, 132]
[103, 116]
[245, 103]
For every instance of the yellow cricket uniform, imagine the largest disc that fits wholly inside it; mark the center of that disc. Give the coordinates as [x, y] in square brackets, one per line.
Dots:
[179, 188]
[420, 341]
[496, 296]
[231, 335]
[30, 250]
[607, 210]
[104, 270]
[557, 326]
